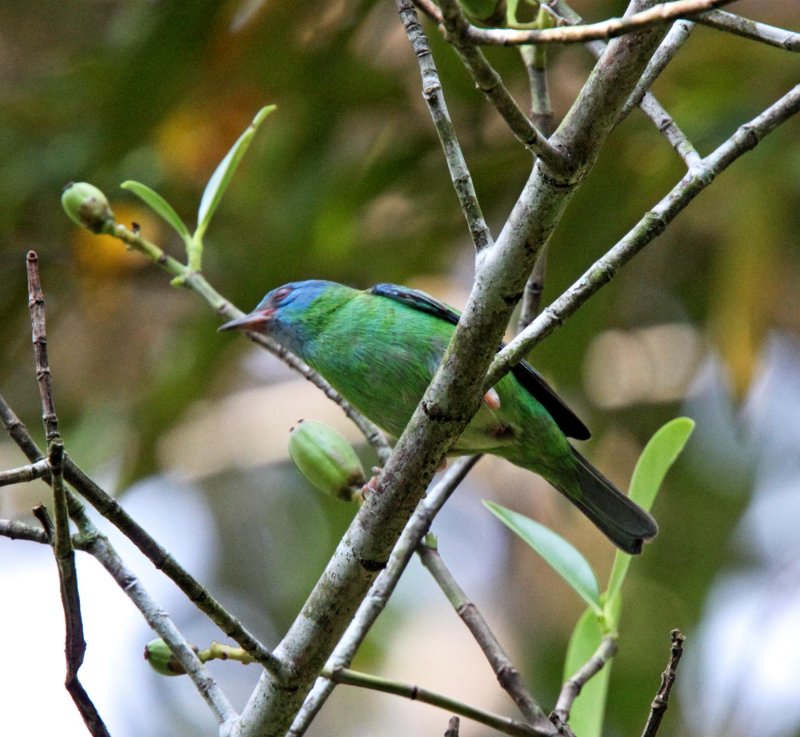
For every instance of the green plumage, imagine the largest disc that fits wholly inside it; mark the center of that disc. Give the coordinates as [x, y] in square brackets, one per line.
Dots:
[380, 348]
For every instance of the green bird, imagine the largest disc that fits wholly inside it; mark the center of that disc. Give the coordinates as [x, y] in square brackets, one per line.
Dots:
[380, 349]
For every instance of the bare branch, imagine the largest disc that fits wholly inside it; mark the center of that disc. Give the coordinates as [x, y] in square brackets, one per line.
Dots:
[75, 645]
[650, 105]
[644, 232]
[434, 98]
[99, 546]
[611, 28]
[534, 288]
[666, 125]
[489, 82]
[669, 47]
[23, 474]
[659, 706]
[158, 556]
[507, 674]
[572, 687]
[732, 23]
[378, 596]
[417, 693]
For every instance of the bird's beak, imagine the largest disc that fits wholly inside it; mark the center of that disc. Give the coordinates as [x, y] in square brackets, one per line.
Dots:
[253, 321]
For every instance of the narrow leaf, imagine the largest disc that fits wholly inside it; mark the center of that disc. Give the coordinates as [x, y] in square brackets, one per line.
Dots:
[159, 205]
[657, 457]
[225, 170]
[588, 710]
[560, 554]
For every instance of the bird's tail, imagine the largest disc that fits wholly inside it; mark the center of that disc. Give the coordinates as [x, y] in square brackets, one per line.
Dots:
[625, 523]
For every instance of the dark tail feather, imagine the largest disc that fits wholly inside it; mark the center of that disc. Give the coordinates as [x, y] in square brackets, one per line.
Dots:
[626, 524]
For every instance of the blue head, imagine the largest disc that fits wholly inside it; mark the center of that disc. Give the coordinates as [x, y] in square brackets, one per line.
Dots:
[289, 313]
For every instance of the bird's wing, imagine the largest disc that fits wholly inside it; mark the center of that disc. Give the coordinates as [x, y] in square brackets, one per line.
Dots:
[526, 375]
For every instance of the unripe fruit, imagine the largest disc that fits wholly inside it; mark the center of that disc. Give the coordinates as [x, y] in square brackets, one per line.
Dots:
[87, 206]
[162, 660]
[326, 460]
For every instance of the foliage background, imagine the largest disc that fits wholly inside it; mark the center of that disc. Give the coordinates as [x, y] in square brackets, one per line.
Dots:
[346, 182]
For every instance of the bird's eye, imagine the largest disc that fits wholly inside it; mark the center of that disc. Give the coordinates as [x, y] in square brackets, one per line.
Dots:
[280, 294]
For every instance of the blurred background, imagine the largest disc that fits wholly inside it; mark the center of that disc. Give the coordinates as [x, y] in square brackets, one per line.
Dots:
[346, 181]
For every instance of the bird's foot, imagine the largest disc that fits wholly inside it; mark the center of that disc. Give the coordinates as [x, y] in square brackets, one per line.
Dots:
[492, 399]
[372, 485]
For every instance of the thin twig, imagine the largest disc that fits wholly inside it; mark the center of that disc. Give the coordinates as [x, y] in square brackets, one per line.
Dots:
[650, 105]
[644, 232]
[722, 20]
[417, 693]
[434, 98]
[75, 645]
[23, 474]
[158, 556]
[377, 598]
[90, 540]
[489, 82]
[507, 674]
[534, 288]
[611, 28]
[670, 129]
[16, 530]
[452, 727]
[535, 60]
[99, 546]
[666, 51]
[573, 685]
[661, 700]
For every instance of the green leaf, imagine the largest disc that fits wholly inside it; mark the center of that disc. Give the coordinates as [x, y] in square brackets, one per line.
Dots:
[225, 170]
[159, 205]
[588, 710]
[657, 457]
[560, 554]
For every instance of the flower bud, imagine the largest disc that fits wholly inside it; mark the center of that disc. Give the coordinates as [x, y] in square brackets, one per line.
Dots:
[326, 460]
[162, 660]
[87, 206]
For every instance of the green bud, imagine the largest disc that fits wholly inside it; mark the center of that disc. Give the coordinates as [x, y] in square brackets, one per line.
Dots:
[87, 206]
[162, 660]
[327, 460]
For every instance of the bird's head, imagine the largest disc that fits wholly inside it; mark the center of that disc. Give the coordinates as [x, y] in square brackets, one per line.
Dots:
[284, 312]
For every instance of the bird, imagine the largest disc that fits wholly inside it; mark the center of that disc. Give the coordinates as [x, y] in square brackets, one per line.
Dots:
[380, 348]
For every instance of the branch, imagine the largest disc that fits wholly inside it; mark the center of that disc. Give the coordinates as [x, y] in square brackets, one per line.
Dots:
[664, 53]
[659, 706]
[572, 687]
[489, 82]
[75, 645]
[16, 530]
[434, 98]
[534, 288]
[453, 396]
[416, 693]
[99, 546]
[377, 598]
[607, 29]
[644, 232]
[23, 474]
[649, 105]
[731, 23]
[158, 556]
[507, 675]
